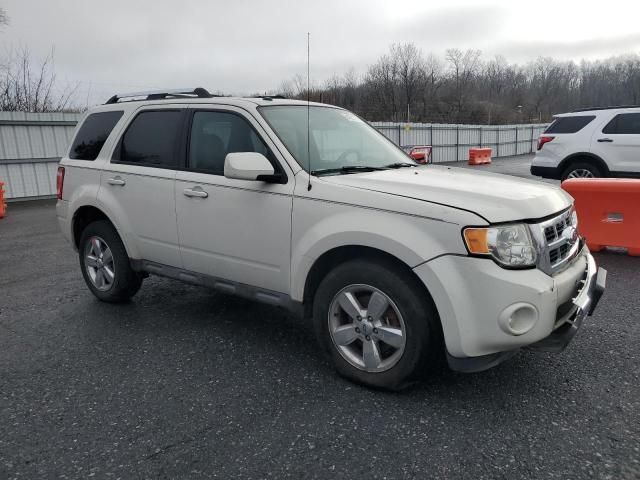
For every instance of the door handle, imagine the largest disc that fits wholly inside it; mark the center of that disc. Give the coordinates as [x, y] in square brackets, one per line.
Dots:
[195, 192]
[605, 140]
[116, 181]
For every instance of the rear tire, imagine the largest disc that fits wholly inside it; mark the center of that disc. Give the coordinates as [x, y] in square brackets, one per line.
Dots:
[581, 170]
[352, 343]
[105, 264]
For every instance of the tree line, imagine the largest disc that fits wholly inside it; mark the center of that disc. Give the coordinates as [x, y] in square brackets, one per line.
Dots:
[462, 87]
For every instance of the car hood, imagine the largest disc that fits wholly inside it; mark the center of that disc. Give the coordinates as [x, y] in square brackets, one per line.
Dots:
[495, 197]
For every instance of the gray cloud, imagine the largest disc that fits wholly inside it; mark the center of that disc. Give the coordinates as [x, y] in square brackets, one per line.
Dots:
[587, 49]
[244, 46]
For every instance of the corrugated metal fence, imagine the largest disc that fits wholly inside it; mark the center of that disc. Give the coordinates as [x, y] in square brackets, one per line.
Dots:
[31, 145]
[451, 143]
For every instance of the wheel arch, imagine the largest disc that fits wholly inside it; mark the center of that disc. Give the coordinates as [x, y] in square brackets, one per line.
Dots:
[587, 157]
[86, 214]
[338, 255]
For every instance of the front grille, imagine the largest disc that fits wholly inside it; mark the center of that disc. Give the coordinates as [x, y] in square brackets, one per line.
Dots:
[560, 241]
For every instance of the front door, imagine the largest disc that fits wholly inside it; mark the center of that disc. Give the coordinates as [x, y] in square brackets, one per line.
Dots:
[232, 229]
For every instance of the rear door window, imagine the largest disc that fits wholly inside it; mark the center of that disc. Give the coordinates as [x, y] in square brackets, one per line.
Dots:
[624, 124]
[94, 131]
[569, 124]
[151, 139]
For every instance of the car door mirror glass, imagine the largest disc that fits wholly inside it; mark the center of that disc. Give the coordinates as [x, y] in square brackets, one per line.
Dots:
[247, 166]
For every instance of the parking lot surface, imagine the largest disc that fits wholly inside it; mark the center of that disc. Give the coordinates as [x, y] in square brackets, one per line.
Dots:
[517, 166]
[183, 382]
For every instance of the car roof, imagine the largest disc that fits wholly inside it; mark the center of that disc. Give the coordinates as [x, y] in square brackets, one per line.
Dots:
[242, 102]
[596, 110]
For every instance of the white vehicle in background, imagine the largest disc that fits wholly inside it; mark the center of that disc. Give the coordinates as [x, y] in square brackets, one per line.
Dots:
[400, 265]
[599, 142]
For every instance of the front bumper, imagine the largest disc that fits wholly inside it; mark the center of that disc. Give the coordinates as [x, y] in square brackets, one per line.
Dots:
[586, 302]
[473, 294]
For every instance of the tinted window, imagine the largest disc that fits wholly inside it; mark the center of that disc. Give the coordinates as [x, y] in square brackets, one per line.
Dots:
[569, 124]
[151, 139]
[92, 134]
[214, 134]
[624, 123]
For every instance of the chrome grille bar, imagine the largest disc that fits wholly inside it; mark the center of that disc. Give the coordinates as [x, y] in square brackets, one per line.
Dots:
[557, 241]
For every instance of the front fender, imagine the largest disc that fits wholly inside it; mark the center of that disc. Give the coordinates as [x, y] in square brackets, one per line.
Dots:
[412, 240]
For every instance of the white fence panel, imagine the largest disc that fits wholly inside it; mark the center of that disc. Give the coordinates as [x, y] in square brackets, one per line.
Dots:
[451, 143]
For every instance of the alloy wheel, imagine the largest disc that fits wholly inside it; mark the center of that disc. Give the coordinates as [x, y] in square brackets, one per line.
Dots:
[99, 264]
[580, 173]
[367, 328]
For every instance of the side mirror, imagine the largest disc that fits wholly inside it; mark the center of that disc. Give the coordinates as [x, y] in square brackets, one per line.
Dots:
[247, 166]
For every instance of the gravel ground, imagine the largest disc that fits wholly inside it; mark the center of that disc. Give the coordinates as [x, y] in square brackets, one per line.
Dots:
[188, 383]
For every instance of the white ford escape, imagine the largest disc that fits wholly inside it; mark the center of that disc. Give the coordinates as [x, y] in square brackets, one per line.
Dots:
[399, 265]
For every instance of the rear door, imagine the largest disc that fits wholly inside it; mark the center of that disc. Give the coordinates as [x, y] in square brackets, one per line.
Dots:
[137, 185]
[618, 143]
[232, 229]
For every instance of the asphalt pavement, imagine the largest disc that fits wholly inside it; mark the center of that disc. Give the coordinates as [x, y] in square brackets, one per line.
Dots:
[183, 382]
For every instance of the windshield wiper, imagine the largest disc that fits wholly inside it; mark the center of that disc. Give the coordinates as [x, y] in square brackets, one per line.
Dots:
[401, 165]
[347, 169]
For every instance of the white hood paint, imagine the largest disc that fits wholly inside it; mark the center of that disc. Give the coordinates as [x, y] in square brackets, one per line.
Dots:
[496, 197]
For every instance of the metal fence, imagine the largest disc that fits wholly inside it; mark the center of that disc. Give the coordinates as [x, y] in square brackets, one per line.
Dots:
[31, 145]
[451, 143]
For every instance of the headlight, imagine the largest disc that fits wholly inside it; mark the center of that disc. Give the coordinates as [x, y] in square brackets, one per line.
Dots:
[509, 245]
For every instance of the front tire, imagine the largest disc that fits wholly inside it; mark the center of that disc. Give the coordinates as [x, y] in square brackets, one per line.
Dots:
[377, 324]
[105, 264]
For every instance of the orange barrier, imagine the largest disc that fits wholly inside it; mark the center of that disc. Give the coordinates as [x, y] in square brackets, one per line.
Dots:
[421, 153]
[3, 206]
[479, 156]
[608, 214]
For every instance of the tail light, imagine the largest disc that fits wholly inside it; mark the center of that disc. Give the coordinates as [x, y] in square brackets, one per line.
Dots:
[542, 140]
[59, 182]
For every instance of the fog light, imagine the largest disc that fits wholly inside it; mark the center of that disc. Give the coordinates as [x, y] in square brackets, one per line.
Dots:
[518, 318]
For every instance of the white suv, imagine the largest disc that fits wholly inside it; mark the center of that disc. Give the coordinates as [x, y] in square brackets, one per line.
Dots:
[399, 265]
[602, 142]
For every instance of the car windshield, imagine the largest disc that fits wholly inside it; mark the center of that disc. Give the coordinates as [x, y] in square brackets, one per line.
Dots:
[340, 142]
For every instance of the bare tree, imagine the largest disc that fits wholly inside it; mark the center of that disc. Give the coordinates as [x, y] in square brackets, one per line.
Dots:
[464, 66]
[410, 71]
[433, 72]
[31, 88]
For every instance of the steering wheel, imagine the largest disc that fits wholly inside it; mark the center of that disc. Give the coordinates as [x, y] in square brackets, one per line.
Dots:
[346, 153]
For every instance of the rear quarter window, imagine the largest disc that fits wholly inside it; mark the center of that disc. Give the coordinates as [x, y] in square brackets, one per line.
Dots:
[93, 132]
[569, 124]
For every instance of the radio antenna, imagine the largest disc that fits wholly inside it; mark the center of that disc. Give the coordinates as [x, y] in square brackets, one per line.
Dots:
[308, 115]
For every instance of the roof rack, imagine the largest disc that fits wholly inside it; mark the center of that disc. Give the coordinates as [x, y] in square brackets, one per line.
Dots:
[270, 97]
[197, 92]
[605, 108]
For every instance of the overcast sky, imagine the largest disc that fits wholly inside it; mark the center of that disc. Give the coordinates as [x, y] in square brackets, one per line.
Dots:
[243, 47]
